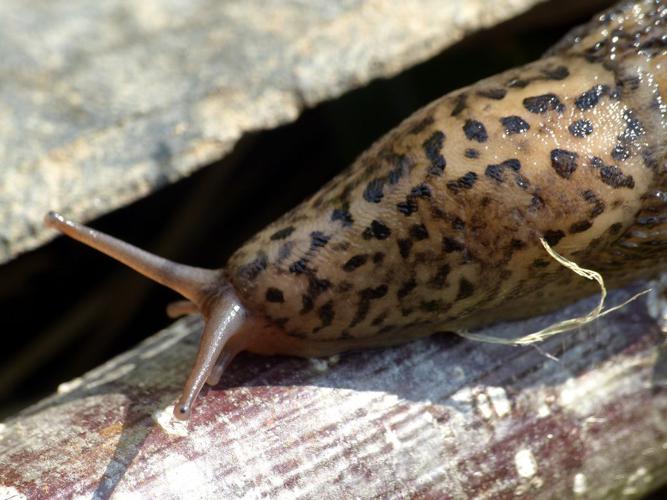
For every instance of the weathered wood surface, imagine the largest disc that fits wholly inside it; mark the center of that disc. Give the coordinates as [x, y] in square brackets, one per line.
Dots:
[103, 102]
[441, 417]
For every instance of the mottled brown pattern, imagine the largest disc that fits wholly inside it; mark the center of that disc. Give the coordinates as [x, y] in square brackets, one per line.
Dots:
[570, 148]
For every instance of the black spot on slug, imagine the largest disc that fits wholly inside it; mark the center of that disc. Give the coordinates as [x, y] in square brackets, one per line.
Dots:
[274, 295]
[315, 287]
[475, 131]
[494, 172]
[404, 247]
[378, 257]
[620, 152]
[459, 104]
[373, 192]
[543, 103]
[634, 128]
[466, 181]
[580, 227]
[615, 228]
[355, 262]
[521, 181]
[251, 270]
[536, 202]
[386, 329]
[326, 313]
[497, 172]
[438, 281]
[458, 224]
[341, 246]
[597, 162]
[495, 93]
[285, 250]
[343, 216]
[406, 288]
[598, 204]
[516, 244]
[517, 83]
[558, 73]
[376, 230]
[595, 53]
[377, 321]
[306, 304]
[466, 289]
[281, 322]
[629, 83]
[581, 128]
[298, 267]
[590, 98]
[418, 232]
[513, 164]
[553, 237]
[437, 212]
[318, 240]
[614, 177]
[407, 207]
[563, 162]
[432, 306]
[432, 147]
[421, 125]
[658, 42]
[471, 153]
[450, 245]
[402, 166]
[282, 233]
[344, 196]
[421, 191]
[514, 124]
[365, 297]
[649, 158]
[615, 95]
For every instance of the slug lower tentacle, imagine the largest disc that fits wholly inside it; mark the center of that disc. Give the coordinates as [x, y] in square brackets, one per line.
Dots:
[181, 308]
[438, 225]
[226, 319]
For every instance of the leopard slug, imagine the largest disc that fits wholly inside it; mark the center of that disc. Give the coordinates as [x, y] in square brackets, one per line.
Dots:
[437, 226]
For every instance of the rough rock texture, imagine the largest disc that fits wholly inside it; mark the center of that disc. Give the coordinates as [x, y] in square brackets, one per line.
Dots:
[104, 102]
[441, 417]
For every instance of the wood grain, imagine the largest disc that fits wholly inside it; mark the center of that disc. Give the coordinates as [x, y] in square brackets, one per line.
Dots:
[442, 417]
[105, 102]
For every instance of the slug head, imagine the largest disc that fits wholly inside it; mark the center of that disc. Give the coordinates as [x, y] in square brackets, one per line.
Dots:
[228, 328]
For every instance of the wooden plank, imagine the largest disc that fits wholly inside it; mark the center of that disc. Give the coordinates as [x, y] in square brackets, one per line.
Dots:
[104, 102]
[440, 417]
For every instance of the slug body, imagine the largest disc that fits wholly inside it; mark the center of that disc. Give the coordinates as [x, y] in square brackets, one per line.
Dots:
[438, 225]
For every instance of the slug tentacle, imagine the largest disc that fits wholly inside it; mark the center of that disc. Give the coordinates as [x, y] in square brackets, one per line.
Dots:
[227, 318]
[207, 292]
[181, 308]
[194, 283]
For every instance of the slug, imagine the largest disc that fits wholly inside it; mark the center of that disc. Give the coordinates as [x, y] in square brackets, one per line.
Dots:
[437, 226]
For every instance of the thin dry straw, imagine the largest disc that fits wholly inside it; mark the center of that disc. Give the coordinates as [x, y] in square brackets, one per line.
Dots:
[565, 325]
